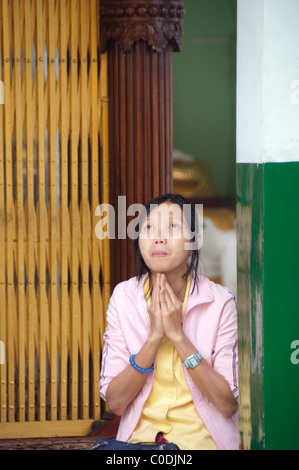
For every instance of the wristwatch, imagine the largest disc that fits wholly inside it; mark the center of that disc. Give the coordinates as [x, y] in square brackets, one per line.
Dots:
[192, 361]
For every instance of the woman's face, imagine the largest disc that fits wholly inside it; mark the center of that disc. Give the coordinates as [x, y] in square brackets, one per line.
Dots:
[163, 239]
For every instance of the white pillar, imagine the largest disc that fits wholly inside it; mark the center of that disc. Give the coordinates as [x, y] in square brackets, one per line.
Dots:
[267, 81]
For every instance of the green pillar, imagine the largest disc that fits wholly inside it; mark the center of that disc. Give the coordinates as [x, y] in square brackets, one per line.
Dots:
[268, 222]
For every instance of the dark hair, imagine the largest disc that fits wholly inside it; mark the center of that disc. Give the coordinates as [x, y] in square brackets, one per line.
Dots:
[193, 225]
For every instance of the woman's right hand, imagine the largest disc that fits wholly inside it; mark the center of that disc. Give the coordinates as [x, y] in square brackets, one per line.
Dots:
[154, 310]
[126, 385]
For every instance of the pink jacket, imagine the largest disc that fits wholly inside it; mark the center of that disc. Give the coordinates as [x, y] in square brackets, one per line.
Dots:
[210, 322]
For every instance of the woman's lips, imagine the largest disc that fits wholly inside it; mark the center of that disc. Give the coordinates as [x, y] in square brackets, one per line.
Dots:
[159, 253]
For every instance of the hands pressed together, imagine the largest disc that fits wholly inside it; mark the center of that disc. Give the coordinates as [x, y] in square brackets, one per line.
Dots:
[165, 310]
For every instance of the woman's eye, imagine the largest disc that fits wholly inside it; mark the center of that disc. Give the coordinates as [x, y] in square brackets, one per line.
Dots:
[148, 227]
[174, 226]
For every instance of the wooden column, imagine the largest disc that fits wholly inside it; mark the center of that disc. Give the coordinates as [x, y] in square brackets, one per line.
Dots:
[140, 37]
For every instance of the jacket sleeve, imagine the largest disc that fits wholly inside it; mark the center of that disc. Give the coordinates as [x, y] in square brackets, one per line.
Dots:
[115, 356]
[225, 355]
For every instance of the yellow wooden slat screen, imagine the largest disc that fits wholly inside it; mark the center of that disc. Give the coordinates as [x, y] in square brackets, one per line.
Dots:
[54, 272]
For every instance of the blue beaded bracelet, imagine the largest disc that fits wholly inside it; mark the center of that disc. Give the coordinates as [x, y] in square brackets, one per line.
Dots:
[140, 369]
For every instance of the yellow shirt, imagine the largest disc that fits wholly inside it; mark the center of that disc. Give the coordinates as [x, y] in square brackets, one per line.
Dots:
[169, 408]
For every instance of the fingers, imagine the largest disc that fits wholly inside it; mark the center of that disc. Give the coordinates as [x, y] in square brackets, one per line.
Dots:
[156, 299]
[167, 295]
[171, 309]
[155, 303]
[163, 294]
[155, 311]
[171, 294]
[163, 298]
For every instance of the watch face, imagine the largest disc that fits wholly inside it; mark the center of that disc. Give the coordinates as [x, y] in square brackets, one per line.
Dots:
[193, 362]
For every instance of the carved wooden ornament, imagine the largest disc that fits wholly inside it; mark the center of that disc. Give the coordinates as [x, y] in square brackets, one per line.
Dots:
[158, 23]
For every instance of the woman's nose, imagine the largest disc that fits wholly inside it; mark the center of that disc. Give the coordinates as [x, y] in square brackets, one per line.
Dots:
[160, 239]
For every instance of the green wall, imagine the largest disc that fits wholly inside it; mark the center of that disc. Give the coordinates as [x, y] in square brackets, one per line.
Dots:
[204, 84]
[268, 299]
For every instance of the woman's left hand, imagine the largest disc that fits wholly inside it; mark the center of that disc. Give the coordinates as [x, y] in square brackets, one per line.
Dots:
[171, 308]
